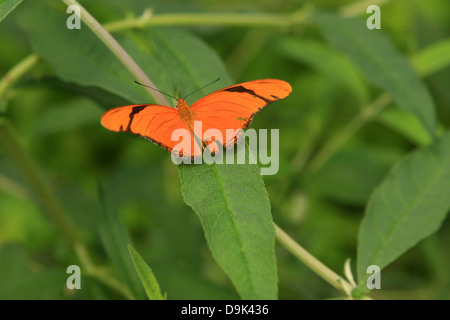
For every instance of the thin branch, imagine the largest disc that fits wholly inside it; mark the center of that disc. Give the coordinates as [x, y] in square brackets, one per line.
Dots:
[15, 73]
[37, 182]
[211, 19]
[343, 135]
[118, 51]
[103, 277]
[311, 262]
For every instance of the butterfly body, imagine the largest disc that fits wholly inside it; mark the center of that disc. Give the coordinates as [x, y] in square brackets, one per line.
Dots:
[185, 112]
[230, 108]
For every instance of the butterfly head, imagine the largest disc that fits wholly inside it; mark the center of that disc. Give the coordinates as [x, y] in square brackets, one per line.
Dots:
[181, 103]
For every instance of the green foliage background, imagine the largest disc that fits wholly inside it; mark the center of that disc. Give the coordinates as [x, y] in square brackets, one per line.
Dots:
[364, 154]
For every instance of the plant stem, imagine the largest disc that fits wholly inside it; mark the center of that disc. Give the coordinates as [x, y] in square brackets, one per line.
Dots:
[17, 72]
[270, 20]
[211, 19]
[245, 51]
[36, 181]
[315, 265]
[8, 185]
[118, 51]
[366, 114]
[311, 262]
[93, 271]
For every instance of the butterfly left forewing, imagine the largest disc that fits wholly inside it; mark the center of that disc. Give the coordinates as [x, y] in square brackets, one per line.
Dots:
[153, 122]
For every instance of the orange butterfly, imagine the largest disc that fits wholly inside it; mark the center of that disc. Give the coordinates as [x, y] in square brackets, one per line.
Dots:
[229, 108]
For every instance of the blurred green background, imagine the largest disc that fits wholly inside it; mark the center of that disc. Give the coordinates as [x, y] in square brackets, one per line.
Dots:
[56, 125]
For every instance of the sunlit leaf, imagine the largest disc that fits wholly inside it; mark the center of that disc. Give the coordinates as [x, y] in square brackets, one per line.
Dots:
[409, 205]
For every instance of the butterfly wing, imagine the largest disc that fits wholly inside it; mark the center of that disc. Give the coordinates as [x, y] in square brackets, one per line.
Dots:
[153, 122]
[230, 108]
[234, 107]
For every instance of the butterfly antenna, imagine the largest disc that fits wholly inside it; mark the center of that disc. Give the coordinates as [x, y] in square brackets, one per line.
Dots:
[144, 85]
[202, 88]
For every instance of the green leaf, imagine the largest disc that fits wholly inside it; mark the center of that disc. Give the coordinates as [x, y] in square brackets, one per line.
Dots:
[115, 239]
[78, 56]
[382, 64]
[406, 124]
[6, 6]
[330, 62]
[234, 209]
[146, 275]
[429, 60]
[409, 205]
[76, 113]
[433, 58]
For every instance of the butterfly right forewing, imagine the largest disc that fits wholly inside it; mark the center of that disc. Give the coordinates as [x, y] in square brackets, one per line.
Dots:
[233, 108]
